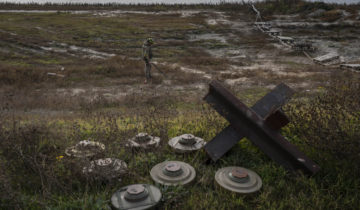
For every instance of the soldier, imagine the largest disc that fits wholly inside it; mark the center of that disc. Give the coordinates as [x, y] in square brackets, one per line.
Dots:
[147, 55]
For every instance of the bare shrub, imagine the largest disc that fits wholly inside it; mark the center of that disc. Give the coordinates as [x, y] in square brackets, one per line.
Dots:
[30, 154]
[206, 62]
[330, 122]
[8, 195]
[118, 66]
[180, 77]
[21, 76]
[37, 76]
[113, 67]
[331, 16]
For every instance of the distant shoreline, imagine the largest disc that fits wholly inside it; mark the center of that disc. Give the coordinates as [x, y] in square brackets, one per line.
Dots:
[154, 2]
[278, 7]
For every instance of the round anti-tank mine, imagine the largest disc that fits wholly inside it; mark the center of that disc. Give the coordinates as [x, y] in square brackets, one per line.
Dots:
[136, 197]
[186, 143]
[173, 173]
[238, 179]
[105, 169]
[85, 149]
[143, 141]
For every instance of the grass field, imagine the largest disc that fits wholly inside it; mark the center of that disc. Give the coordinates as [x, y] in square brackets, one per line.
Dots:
[100, 95]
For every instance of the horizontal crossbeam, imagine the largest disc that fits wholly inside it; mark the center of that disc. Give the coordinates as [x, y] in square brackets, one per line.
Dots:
[268, 107]
[249, 124]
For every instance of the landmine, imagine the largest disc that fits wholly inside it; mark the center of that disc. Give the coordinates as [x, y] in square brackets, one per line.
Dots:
[238, 179]
[325, 59]
[350, 66]
[107, 168]
[144, 141]
[186, 143]
[171, 173]
[85, 149]
[137, 196]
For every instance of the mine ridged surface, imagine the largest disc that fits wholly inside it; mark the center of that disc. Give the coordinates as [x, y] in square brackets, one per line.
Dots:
[252, 184]
[188, 174]
[151, 142]
[85, 148]
[107, 168]
[176, 144]
[136, 197]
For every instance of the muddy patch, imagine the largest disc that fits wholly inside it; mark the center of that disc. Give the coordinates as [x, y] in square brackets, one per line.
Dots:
[76, 51]
[120, 92]
[239, 81]
[215, 18]
[207, 37]
[185, 69]
[8, 32]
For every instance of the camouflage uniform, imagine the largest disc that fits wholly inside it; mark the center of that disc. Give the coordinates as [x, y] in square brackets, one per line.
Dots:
[147, 55]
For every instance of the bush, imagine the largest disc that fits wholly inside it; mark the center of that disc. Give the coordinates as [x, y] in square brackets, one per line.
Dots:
[21, 76]
[330, 122]
[30, 163]
[291, 6]
[8, 195]
[331, 16]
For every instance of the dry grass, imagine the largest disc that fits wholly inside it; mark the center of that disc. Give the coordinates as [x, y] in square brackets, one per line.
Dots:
[331, 16]
[329, 122]
[207, 63]
[30, 149]
[105, 100]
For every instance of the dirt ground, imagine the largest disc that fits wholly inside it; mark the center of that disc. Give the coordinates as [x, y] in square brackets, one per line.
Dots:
[70, 75]
[84, 56]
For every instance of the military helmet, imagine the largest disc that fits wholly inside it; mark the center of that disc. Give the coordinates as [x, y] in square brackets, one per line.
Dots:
[150, 40]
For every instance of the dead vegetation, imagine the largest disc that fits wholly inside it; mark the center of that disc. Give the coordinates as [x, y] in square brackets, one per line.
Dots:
[331, 16]
[32, 152]
[207, 63]
[104, 99]
[330, 121]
